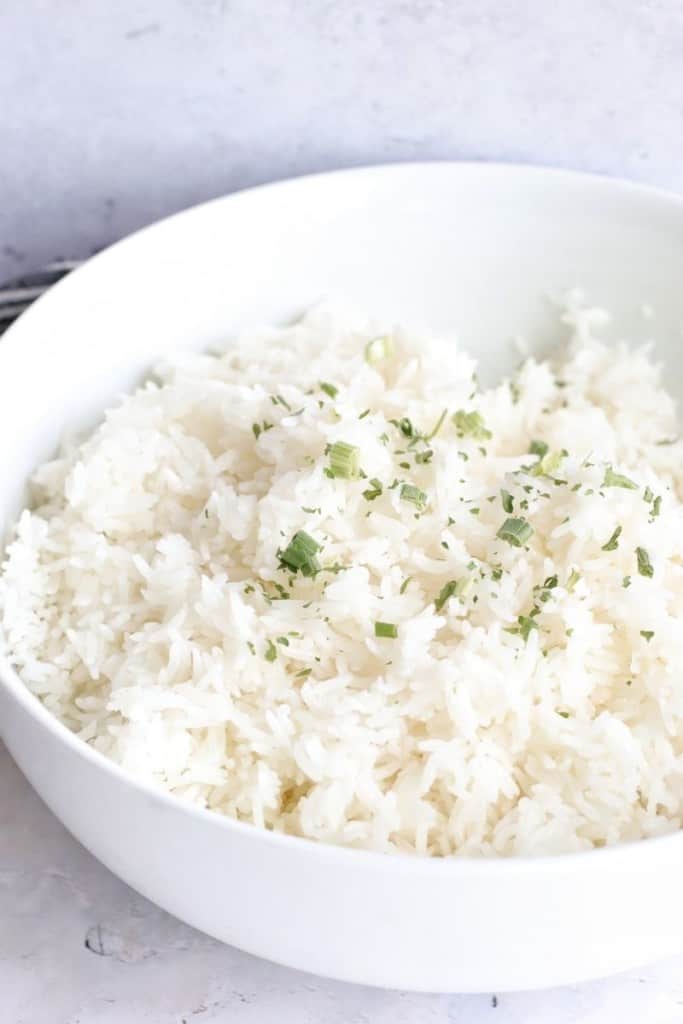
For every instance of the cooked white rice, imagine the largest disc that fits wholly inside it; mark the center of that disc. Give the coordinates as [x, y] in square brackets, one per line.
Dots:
[142, 598]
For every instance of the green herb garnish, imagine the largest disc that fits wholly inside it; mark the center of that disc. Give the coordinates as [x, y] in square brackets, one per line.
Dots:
[647, 634]
[386, 630]
[437, 427]
[613, 543]
[471, 424]
[414, 495]
[404, 585]
[573, 579]
[515, 531]
[644, 564]
[507, 500]
[344, 461]
[299, 555]
[539, 448]
[525, 624]
[271, 651]
[329, 389]
[613, 479]
[454, 588]
[373, 490]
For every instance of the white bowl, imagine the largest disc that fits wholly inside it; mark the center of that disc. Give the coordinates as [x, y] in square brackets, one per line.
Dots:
[471, 248]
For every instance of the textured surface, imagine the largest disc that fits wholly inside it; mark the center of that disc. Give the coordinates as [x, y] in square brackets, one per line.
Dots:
[115, 114]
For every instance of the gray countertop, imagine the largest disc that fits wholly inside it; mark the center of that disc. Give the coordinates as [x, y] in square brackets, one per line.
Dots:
[116, 114]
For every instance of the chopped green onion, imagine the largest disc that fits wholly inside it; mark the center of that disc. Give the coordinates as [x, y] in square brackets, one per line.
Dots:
[299, 555]
[304, 673]
[644, 563]
[251, 647]
[366, 412]
[506, 498]
[379, 349]
[657, 506]
[345, 460]
[414, 495]
[329, 389]
[422, 458]
[563, 714]
[271, 651]
[613, 543]
[648, 495]
[283, 640]
[386, 630]
[613, 479]
[647, 634]
[374, 490]
[515, 531]
[626, 582]
[471, 424]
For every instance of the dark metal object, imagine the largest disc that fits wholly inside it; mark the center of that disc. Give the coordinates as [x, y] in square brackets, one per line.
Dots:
[17, 295]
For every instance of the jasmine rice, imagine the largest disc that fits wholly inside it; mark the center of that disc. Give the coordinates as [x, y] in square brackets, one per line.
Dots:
[324, 584]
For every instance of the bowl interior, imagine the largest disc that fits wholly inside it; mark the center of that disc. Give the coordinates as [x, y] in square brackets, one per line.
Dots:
[476, 250]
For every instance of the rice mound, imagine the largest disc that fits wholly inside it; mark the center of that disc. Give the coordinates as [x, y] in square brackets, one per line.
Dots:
[523, 695]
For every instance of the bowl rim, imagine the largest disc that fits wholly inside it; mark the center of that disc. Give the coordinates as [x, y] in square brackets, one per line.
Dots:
[604, 858]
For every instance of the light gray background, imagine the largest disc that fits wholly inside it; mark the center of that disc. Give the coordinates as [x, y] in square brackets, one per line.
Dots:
[116, 112]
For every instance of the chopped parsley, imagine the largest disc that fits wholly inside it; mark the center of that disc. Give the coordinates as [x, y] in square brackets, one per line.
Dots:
[644, 564]
[404, 585]
[260, 428]
[422, 458]
[613, 543]
[647, 634]
[515, 531]
[471, 424]
[414, 495]
[539, 448]
[613, 479]
[525, 624]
